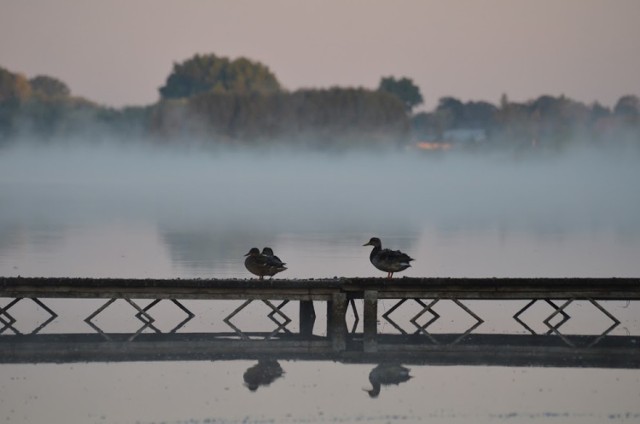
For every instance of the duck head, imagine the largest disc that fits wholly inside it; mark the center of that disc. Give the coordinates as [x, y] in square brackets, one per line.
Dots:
[373, 393]
[253, 252]
[375, 241]
[267, 251]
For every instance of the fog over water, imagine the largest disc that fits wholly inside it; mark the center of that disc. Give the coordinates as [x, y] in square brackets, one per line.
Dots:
[118, 210]
[209, 207]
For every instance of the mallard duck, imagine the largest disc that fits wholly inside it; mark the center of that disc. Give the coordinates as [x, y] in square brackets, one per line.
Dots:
[275, 265]
[387, 260]
[261, 265]
[387, 374]
[256, 263]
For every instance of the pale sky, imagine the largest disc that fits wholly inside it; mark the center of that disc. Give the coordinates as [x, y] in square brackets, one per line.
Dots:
[119, 52]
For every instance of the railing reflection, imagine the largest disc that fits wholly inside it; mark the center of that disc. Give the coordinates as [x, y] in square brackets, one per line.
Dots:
[475, 349]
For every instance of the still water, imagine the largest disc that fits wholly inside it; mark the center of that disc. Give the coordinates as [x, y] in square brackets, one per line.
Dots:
[133, 212]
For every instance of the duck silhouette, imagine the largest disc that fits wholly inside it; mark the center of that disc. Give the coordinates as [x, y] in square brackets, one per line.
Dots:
[256, 263]
[386, 374]
[387, 260]
[274, 264]
[261, 265]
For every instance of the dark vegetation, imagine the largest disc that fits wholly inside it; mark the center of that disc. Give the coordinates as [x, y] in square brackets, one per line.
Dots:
[214, 101]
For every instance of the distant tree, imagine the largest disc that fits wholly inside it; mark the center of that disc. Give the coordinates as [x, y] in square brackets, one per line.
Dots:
[206, 73]
[479, 114]
[504, 101]
[326, 118]
[546, 105]
[513, 123]
[627, 107]
[599, 112]
[46, 86]
[404, 89]
[15, 91]
[557, 120]
[13, 87]
[453, 113]
[453, 109]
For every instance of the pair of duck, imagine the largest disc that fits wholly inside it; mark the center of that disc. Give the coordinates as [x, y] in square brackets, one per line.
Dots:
[266, 264]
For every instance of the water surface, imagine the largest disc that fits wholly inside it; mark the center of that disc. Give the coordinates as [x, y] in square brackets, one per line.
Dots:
[134, 212]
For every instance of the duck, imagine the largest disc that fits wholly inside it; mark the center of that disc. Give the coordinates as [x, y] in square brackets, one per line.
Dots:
[386, 374]
[275, 265]
[261, 265]
[256, 263]
[387, 260]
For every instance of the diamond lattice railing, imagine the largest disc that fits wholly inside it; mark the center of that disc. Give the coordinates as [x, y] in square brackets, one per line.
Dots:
[8, 321]
[428, 308]
[555, 328]
[275, 310]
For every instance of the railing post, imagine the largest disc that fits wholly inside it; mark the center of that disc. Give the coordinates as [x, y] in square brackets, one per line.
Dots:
[336, 325]
[370, 324]
[307, 317]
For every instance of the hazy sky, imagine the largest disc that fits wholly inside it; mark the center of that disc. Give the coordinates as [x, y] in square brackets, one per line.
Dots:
[118, 52]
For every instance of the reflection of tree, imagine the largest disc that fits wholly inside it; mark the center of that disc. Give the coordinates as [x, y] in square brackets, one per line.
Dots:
[15, 234]
[265, 372]
[386, 374]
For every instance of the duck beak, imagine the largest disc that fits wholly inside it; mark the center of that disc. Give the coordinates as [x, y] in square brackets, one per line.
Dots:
[367, 244]
[248, 254]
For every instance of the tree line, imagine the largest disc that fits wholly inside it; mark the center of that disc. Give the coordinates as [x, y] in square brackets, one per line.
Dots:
[218, 101]
[546, 121]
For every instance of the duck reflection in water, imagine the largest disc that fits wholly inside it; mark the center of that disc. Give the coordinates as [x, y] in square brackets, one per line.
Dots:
[386, 374]
[265, 372]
